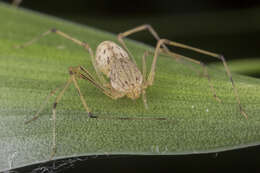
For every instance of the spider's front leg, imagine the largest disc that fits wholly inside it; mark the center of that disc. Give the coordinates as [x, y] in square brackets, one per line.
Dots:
[75, 74]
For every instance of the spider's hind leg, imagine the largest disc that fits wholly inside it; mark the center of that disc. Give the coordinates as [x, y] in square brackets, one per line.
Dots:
[210, 54]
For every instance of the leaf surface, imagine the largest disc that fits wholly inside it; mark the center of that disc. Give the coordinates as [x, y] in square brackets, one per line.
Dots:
[196, 123]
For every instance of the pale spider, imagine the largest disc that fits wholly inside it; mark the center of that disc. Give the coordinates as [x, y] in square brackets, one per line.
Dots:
[119, 66]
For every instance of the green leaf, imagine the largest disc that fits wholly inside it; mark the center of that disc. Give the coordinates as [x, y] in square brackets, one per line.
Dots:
[196, 123]
[247, 66]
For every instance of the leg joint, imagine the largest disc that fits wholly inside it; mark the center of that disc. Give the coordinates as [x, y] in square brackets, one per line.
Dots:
[55, 105]
[54, 30]
[119, 36]
[91, 115]
[85, 45]
[202, 64]
[163, 40]
[222, 57]
[148, 26]
[71, 71]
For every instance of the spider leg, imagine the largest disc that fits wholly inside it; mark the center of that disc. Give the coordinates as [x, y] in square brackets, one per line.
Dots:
[54, 148]
[53, 30]
[181, 59]
[214, 55]
[75, 73]
[78, 42]
[153, 33]
[42, 105]
[144, 79]
[84, 74]
[138, 29]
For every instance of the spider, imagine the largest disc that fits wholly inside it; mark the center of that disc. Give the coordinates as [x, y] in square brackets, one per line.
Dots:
[119, 66]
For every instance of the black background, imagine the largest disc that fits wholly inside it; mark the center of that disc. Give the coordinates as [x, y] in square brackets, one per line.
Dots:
[227, 27]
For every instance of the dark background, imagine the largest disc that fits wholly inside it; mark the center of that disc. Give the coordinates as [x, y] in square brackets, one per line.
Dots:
[228, 27]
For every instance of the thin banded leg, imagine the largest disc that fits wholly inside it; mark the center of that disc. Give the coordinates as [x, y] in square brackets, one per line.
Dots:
[73, 73]
[220, 57]
[53, 30]
[36, 116]
[203, 66]
[78, 42]
[54, 149]
[144, 79]
[138, 29]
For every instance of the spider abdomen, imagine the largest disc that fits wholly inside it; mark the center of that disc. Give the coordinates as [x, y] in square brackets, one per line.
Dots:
[124, 75]
[106, 54]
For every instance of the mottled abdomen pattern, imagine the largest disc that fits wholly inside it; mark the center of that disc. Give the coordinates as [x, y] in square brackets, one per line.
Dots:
[125, 76]
[115, 63]
[106, 53]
